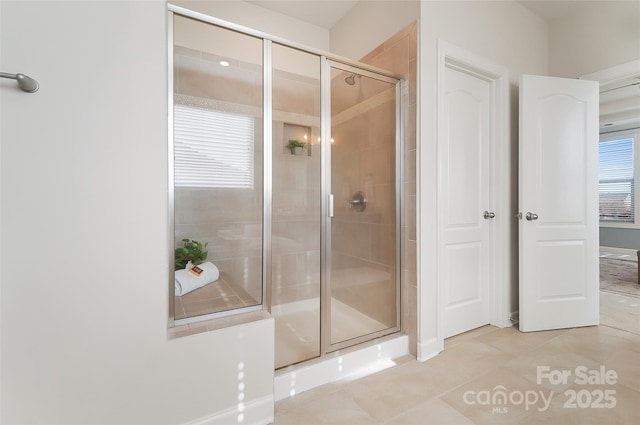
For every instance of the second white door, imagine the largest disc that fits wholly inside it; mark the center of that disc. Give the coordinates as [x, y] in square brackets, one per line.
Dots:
[558, 178]
[465, 206]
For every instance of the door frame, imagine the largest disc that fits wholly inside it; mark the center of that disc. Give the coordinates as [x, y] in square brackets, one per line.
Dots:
[502, 187]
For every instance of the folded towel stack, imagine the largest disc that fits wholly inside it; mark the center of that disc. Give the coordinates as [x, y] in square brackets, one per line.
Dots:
[187, 281]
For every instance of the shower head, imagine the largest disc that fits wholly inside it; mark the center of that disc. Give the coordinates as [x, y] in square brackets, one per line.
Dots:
[25, 83]
[351, 79]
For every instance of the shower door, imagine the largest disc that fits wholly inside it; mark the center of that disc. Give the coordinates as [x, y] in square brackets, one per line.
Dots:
[362, 232]
[336, 201]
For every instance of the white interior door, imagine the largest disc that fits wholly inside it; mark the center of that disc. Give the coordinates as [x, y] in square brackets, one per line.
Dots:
[558, 197]
[464, 195]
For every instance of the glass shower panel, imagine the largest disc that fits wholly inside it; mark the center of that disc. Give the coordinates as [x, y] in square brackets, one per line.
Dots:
[218, 189]
[363, 288]
[295, 245]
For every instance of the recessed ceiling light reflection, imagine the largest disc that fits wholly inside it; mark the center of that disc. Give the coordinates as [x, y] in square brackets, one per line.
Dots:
[224, 63]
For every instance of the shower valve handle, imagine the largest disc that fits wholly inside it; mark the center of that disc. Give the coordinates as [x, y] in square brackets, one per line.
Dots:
[358, 202]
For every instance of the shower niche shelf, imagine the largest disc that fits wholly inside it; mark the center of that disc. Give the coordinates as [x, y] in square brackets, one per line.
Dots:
[297, 139]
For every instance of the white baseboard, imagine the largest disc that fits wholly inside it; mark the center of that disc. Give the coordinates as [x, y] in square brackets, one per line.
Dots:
[514, 317]
[503, 322]
[354, 364]
[255, 412]
[429, 349]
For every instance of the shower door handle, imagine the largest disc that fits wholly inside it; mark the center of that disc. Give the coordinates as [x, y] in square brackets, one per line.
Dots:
[331, 205]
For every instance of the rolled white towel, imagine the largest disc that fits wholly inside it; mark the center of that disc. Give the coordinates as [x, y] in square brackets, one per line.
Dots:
[187, 281]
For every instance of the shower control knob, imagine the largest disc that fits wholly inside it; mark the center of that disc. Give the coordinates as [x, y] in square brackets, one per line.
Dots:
[358, 202]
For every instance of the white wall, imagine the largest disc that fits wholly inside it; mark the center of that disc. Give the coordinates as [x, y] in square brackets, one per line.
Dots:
[261, 19]
[600, 35]
[84, 235]
[507, 34]
[379, 20]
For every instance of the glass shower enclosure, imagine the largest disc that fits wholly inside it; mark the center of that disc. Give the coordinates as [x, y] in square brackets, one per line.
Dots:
[291, 183]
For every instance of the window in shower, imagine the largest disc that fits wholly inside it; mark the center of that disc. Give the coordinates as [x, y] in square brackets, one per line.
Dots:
[212, 148]
[218, 172]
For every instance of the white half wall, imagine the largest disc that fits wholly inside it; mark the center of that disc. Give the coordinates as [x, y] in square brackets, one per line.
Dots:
[84, 232]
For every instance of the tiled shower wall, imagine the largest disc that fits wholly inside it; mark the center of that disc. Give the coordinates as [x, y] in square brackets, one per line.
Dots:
[295, 256]
[230, 220]
[399, 55]
[363, 243]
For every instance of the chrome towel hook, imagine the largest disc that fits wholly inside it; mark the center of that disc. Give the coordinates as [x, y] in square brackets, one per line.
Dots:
[25, 83]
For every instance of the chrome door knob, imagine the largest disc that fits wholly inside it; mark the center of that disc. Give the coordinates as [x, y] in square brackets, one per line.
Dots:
[488, 215]
[531, 216]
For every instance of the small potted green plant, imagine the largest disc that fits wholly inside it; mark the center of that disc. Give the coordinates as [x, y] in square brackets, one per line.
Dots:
[192, 251]
[296, 146]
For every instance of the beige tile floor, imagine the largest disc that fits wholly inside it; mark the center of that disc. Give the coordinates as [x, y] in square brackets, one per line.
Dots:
[452, 388]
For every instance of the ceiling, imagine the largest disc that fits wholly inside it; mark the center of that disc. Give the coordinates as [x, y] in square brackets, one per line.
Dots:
[326, 13]
[323, 13]
[551, 10]
[620, 104]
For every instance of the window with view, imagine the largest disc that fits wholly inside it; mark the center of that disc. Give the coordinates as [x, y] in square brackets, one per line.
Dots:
[617, 183]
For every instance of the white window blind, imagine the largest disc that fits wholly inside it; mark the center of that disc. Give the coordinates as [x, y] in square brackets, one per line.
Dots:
[212, 149]
[617, 186]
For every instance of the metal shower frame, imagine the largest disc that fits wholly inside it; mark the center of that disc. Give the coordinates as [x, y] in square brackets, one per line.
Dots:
[327, 61]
